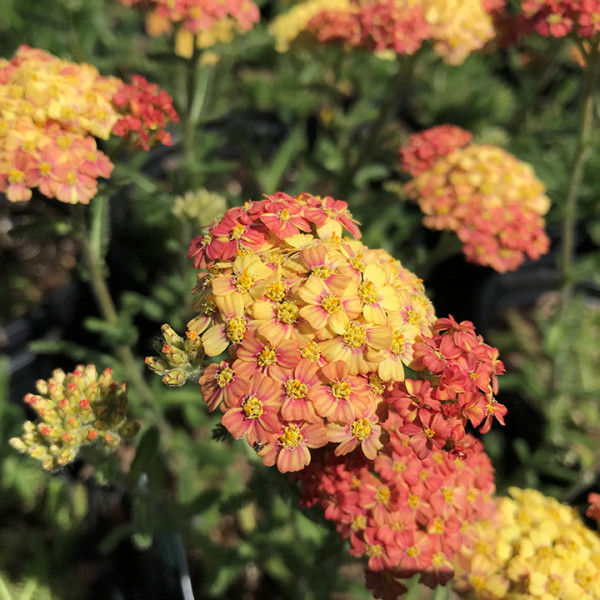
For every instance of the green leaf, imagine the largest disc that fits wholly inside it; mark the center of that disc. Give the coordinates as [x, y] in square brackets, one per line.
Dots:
[370, 172]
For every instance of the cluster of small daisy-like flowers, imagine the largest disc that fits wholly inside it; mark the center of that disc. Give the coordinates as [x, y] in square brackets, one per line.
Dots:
[492, 200]
[558, 18]
[52, 110]
[317, 327]
[456, 28]
[531, 548]
[195, 16]
[146, 111]
[75, 409]
[406, 515]
[459, 380]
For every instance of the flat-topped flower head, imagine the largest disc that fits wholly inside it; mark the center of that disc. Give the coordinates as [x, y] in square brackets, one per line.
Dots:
[456, 29]
[75, 410]
[530, 547]
[489, 198]
[52, 113]
[196, 16]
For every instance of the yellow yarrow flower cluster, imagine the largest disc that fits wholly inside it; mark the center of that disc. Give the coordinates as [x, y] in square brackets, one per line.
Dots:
[40, 88]
[534, 548]
[456, 27]
[75, 409]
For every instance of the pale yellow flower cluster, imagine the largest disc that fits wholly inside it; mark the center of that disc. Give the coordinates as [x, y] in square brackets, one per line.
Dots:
[458, 27]
[535, 548]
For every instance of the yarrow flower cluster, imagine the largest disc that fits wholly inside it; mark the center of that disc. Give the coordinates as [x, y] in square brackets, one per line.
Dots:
[195, 16]
[75, 409]
[52, 111]
[558, 18]
[406, 515]
[319, 329]
[460, 379]
[456, 28]
[146, 110]
[492, 200]
[531, 548]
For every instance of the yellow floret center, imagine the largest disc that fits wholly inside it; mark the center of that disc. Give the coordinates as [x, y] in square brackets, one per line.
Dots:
[45, 168]
[291, 436]
[236, 327]
[354, 336]
[357, 263]
[373, 550]
[438, 526]
[71, 178]
[368, 292]
[322, 271]
[276, 291]
[237, 232]
[244, 281]
[341, 390]
[429, 432]
[312, 352]
[267, 357]
[331, 303]
[253, 407]
[294, 388]
[398, 342]
[64, 142]
[413, 501]
[284, 215]
[399, 466]
[287, 312]
[448, 495]
[224, 376]
[382, 495]
[477, 582]
[16, 176]
[361, 429]
[438, 560]
[413, 551]
[358, 522]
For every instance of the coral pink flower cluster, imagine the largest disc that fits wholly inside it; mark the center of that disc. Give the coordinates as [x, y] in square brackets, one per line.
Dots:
[406, 515]
[558, 18]
[317, 327]
[146, 112]
[195, 16]
[456, 28]
[51, 112]
[492, 200]
[460, 373]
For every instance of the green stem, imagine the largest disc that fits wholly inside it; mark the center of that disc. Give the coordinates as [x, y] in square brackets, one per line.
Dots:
[580, 157]
[388, 104]
[95, 266]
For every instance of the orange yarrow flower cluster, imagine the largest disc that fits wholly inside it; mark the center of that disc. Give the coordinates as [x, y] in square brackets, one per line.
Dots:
[460, 380]
[317, 326]
[195, 16]
[146, 112]
[51, 111]
[456, 29]
[404, 514]
[493, 201]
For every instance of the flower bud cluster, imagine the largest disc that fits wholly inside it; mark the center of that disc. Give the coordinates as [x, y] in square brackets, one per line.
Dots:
[492, 200]
[406, 515]
[317, 327]
[75, 409]
[460, 379]
[456, 28]
[180, 359]
[531, 548]
[195, 16]
[51, 112]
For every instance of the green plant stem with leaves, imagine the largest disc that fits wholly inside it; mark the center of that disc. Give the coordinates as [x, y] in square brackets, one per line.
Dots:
[389, 103]
[580, 157]
[197, 83]
[95, 264]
